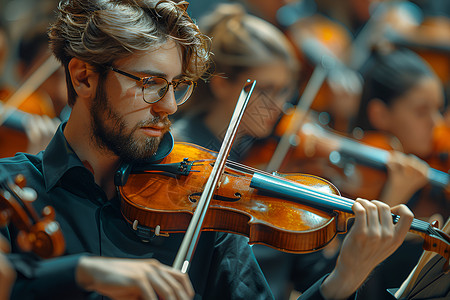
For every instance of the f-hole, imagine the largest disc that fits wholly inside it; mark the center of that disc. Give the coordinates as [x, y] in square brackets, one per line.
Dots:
[196, 196]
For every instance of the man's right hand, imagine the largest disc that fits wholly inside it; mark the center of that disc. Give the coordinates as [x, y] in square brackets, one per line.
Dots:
[133, 279]
[7, 273]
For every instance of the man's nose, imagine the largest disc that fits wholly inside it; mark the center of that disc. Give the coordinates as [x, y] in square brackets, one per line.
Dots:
[167, 104]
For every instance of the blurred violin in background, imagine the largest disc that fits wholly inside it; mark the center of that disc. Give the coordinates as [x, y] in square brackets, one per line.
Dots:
[41, 235]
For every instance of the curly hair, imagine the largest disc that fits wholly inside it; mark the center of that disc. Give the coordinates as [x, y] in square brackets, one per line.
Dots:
[102, 31]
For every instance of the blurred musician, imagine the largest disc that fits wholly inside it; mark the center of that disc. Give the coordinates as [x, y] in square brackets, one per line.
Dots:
[401, 102]
[42, 106]
[400, 107]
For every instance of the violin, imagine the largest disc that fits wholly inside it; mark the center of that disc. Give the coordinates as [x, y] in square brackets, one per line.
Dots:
[294, 213]
[41, 235]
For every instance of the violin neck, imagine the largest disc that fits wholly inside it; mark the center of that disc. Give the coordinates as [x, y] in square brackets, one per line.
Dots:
[351, 151]
[299, 193]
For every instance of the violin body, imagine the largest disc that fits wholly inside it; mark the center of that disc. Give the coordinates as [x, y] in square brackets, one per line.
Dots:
[41, 235]
[158, 199]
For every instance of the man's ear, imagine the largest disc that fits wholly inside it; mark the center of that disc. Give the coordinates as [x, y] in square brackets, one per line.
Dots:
[378, 114]
[84, 78]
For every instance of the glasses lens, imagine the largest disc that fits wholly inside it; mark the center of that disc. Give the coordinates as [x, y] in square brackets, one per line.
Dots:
[155, 88]
[183, 91]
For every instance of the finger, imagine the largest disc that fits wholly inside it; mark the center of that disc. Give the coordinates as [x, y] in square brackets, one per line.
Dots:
[419, 165]
[394, 161]
[4, 245]
[184, 280]
[187, 285]
[159, 285]
[360, 216]
[32, 129]
[173, 281]
[373, 222]
[49, 125]
[406, 218]
[147, 293]
[385, 215]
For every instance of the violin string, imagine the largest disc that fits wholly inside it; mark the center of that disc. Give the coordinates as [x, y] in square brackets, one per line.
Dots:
[335, 199]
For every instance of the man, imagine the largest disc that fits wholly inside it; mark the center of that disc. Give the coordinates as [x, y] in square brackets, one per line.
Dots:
[128, 65]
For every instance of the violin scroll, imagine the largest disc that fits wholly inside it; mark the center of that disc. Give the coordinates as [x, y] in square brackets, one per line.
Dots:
[41, 235]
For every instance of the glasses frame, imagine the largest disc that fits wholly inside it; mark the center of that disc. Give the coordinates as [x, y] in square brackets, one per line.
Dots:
[144, 80]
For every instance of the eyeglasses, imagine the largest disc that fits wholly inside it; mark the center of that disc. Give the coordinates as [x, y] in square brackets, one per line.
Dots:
[154, 88]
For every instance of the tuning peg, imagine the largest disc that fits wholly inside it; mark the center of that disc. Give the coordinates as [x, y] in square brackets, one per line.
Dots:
[435, 224]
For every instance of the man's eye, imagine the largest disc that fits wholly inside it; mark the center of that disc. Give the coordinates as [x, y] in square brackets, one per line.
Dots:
[150, 82]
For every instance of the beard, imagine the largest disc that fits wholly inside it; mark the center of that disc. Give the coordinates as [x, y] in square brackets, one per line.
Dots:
[109, 130]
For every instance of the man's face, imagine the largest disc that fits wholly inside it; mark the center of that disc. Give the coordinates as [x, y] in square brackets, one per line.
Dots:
[121, 121]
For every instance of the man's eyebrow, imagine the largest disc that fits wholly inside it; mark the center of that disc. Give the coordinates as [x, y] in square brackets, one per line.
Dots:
[157, 73]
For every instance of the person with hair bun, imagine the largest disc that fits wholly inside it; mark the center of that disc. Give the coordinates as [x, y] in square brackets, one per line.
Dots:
[128, 66]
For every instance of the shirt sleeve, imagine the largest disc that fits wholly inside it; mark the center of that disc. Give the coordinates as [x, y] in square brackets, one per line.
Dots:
[313, 293]
[234, 272]
[46, 279]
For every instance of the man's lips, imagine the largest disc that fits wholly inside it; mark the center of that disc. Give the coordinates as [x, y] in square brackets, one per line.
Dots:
[154, 131]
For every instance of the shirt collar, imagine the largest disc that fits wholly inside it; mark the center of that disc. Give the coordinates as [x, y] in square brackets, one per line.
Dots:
[58, 158]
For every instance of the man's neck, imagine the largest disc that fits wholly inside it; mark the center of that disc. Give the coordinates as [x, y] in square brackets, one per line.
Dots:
[102, 163]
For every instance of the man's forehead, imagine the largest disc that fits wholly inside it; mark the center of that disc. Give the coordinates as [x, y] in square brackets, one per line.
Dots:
[164, 60]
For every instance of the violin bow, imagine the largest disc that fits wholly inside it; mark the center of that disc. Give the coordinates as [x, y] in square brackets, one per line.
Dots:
[28, 87]
[185, 252]
[303, 104]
